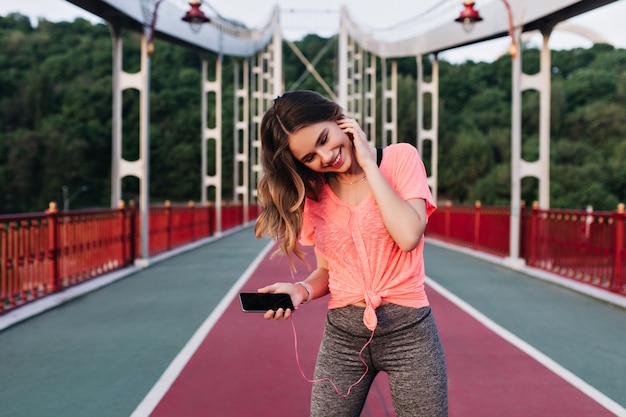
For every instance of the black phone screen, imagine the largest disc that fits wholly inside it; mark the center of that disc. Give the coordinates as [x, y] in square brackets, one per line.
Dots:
[254, 302]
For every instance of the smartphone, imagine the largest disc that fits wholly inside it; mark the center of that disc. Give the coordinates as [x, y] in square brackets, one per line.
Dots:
[254, 302]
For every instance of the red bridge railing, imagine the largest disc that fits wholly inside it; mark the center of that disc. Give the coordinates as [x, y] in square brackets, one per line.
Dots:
[585, 246]
[44, 253]
[481, 228]
[41, 254]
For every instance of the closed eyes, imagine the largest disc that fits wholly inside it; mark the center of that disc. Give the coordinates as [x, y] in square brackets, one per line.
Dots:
[322, 139]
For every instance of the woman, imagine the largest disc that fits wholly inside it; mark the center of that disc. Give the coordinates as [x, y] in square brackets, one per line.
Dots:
[364, 211]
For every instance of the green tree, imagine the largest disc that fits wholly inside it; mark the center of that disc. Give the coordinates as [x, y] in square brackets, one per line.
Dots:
[56, 99]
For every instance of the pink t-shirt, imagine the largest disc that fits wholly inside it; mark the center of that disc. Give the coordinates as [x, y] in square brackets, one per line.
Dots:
[364, 262]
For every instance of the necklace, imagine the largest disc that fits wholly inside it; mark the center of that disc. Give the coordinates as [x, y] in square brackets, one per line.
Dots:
[350, 183]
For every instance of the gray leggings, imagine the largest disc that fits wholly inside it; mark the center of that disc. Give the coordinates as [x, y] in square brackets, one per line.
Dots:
[406, 346]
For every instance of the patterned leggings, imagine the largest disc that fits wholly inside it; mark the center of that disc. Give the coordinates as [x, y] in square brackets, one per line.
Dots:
[406, 346]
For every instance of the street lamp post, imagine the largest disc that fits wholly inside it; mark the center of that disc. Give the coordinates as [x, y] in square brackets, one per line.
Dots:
[468, 17]
[68, 199]
[140, 81]
[195, 17]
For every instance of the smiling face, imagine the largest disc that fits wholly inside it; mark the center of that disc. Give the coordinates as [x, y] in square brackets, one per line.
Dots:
[322, 147]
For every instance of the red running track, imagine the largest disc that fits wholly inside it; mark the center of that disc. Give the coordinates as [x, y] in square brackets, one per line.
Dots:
[246, 366]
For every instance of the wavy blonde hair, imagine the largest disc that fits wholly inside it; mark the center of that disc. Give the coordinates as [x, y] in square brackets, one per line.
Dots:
[286, 182]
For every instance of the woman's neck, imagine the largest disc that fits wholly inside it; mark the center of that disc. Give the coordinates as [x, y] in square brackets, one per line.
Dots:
[350, 178]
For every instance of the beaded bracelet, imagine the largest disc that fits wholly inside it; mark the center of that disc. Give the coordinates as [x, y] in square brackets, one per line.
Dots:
[308, 289]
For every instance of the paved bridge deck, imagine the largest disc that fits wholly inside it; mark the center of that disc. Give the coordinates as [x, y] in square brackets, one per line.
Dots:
[171, 340]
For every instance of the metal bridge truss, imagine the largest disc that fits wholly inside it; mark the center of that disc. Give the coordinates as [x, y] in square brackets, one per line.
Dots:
[259, 79]
[358, 47]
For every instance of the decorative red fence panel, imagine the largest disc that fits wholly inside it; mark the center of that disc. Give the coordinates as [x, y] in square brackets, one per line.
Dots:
[587, 247]
[44, 253]
[253, 212]
[493, 230]
[182, 226]
[481, 228]
[173, 226]
[179, 225]
[158, 229]
[231, 216]
[89, 245]
[26, 271]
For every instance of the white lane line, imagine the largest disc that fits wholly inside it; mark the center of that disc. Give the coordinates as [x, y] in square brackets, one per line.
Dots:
[546, 361]
[158, 391]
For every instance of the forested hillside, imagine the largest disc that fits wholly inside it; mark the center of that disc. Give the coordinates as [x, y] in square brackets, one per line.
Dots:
[55, 119]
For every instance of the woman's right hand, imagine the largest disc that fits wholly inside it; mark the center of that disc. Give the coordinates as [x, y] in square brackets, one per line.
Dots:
[296, 292]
